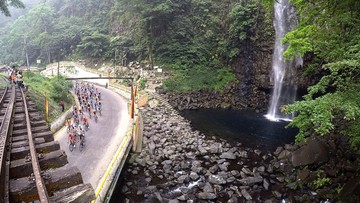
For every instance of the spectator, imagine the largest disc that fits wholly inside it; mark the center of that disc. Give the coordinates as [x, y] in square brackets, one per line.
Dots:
[62, 103]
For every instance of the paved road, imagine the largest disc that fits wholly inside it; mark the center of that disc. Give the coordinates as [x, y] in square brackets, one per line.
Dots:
[102, 139]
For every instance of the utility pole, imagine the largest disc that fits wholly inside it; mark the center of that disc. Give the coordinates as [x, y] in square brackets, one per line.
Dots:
[58, 66]
[115, 71]
[26, 55]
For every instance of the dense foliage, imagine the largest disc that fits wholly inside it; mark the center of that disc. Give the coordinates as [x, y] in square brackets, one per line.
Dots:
[330, 31]
[55, 30]
[200, 41]
[185, 36]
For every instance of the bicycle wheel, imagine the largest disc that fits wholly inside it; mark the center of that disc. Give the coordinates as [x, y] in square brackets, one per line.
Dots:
[81, 146]
[71, 147]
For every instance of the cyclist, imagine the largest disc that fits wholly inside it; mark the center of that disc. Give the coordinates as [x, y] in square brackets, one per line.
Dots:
[99, 108]
[68, 124]
[71, 138]
[95, 116]
[85, 122]
[81, 134]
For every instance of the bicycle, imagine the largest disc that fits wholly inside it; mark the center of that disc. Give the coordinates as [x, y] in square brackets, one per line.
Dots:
[72, 145]
[86, 126]
[82, 142]
[96, 118]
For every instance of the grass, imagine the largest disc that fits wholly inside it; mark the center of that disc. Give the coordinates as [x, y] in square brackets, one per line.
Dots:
[41, 88]
[188, 80]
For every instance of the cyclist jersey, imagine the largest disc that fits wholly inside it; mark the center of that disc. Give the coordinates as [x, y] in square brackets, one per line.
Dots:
[71, 137]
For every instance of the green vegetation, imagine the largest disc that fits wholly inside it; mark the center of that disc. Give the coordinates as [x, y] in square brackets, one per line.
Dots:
[199, 78]
[331, 33]
[53, 89]
[200, 42]
[183, 37]
[142, 83]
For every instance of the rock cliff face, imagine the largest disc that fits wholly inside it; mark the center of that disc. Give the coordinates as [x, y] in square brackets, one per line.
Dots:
[253, 69]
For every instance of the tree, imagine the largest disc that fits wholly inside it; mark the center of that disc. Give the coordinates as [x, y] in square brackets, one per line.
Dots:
[94, 45]
[331, 32]
[14, 3]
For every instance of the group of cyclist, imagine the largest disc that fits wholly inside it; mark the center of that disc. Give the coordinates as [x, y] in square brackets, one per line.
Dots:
[90, 106]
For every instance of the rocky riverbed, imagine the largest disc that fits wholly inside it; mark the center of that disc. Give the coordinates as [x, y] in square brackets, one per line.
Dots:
[178, 164]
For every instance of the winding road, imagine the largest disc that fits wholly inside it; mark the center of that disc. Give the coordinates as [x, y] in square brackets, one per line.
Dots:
[102, 139]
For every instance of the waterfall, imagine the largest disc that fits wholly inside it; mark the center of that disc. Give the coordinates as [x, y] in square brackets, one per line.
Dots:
[283, 72]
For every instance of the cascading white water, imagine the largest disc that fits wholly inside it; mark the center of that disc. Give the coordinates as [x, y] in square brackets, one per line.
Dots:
[284, 90]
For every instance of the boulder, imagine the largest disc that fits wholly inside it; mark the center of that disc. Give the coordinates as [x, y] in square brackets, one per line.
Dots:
[313, 152]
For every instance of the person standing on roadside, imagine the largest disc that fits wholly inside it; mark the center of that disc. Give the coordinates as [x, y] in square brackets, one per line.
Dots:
[62, 103]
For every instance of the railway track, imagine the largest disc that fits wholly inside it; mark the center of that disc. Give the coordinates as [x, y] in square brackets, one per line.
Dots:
[33, 167]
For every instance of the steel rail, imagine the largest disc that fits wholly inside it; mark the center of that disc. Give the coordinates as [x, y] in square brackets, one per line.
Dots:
[3, 96]
[43, 195]
[4, 131]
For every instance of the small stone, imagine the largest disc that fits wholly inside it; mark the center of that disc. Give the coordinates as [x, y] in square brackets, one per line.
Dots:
[246, 171]
[183, 179]
[278, 151]
[213, 169]
[215, 179]
[206, 195]
[251, 180]
[208, 188]
[258, 152]
[224, 166]
[233, 199]
[277, 194]
[266, 184]
[243, 154]
[245, 193]
[183, 197]
[148, 179]
[261, 169]
[194, 176]
[228, 155]
[124, 189]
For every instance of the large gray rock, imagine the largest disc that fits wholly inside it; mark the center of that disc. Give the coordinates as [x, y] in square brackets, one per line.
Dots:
[313, 152]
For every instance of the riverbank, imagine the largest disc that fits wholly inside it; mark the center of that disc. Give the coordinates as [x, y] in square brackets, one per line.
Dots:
[178, 164]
